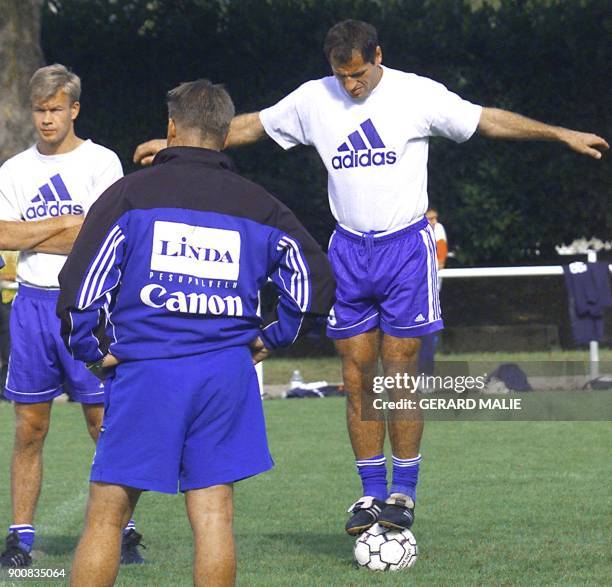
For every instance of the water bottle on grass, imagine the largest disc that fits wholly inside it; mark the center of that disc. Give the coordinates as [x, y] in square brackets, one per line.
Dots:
[296, 380]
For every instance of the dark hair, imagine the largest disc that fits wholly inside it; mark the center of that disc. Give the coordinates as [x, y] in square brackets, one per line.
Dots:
[203, 106]
[347, 35]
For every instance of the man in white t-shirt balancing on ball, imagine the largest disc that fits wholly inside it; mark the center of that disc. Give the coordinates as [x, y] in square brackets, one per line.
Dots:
[371, 127]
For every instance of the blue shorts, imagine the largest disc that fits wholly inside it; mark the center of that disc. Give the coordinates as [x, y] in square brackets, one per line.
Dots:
[387, 281]
[40, 367]
[182, 423]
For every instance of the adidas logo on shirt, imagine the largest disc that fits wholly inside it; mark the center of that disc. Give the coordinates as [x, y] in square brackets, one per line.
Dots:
[363, 148]
[420, 318]
[53, 199]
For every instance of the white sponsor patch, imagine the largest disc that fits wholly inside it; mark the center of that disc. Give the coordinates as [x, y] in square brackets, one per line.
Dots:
[211, 253]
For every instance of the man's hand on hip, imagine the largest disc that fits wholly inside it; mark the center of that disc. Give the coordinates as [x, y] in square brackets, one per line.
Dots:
[101, 367]
[259, 352]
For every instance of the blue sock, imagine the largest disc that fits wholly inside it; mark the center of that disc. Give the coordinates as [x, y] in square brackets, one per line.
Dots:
[405, 476]
[131, 525]
[26, 535]
[373, 473]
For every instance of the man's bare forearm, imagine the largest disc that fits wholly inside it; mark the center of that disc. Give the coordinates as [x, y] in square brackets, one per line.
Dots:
[502, 124]
[60, 243]
[244, 130]
[16, 235]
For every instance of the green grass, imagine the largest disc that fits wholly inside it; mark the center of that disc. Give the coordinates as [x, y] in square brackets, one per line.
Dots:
[500, 503]
[277, 371]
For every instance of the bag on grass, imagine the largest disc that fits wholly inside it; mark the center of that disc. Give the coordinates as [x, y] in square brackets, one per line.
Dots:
[512, 376]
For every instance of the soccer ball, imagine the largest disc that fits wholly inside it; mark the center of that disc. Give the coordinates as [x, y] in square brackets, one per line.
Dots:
[383, 549]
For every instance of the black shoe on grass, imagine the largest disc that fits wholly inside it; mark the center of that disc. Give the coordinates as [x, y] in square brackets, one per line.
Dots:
[397, 513]
[14, 554]
[365, 514]
[130, 555]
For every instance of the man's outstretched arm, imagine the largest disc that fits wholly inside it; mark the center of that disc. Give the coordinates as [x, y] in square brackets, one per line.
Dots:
[244, 130]
[502, 124]
[145, 152]
[17, 235]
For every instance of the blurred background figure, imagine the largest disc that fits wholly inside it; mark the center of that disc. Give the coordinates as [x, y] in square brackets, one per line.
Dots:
[429, 342]
[441, 240]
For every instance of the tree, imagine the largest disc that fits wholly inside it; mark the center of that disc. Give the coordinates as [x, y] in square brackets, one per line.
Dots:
[20, 56]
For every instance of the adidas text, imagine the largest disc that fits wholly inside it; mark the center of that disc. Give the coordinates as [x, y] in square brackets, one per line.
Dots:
[53, 210]
[364, 159]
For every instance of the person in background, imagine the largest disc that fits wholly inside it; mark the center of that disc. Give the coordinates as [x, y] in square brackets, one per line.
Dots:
[440, 236]
[45, 191]
[429, 342]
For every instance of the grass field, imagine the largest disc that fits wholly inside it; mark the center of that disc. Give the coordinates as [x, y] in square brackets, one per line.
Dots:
[501, 503]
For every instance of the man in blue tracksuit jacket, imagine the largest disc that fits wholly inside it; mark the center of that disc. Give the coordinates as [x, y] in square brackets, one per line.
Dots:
[162, 284]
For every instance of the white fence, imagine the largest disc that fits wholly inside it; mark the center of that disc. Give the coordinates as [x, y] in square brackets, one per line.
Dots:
[522, 272]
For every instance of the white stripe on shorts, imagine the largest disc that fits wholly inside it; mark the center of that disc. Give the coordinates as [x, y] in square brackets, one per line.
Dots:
[430, 302]
[432, 240]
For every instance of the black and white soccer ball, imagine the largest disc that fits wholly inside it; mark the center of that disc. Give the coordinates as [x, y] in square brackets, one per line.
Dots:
[383, 549]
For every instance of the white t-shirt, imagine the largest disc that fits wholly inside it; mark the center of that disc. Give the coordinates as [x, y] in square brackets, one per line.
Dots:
[35, 187]
[375, 150]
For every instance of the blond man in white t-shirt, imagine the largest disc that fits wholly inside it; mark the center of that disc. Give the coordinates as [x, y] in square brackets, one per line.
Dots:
[371, 126]
[45, 191]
